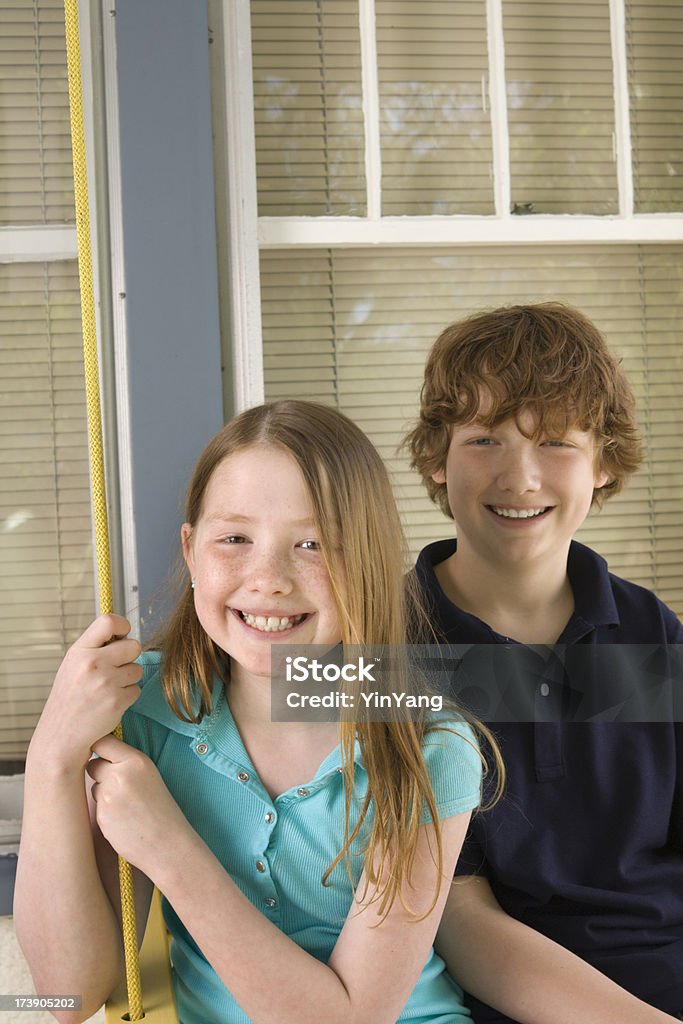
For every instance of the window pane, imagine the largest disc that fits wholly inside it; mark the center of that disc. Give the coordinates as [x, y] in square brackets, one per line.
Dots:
[36, 184]
[353, 328]
[435, 125]
[308, 107]
[46, 569]
[655, 67]
[560, 106]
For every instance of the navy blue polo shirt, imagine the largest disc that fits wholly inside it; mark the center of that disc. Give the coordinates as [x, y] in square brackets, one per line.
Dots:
[587, 844]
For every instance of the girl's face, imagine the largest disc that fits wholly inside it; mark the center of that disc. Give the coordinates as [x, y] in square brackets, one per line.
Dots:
[254, 553]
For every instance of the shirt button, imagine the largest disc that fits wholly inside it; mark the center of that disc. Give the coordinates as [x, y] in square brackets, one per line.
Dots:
[270, 818]
[201, 748]
[260, 866]
[302, 792]
[243, 776]
[545, 689]
[270, 901]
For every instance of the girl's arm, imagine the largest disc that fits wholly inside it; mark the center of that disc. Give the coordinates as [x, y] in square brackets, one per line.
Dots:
[135, 810]
[65, 921]
[524, 974]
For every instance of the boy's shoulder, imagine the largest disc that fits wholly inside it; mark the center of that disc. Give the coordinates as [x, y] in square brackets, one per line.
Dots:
[636, 602]
[637, 614]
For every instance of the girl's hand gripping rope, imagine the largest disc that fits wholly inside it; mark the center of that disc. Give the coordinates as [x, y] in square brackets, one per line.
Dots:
[135, 811]
[95, 684]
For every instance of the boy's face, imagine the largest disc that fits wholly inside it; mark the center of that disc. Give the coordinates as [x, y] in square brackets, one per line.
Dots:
[516, 499]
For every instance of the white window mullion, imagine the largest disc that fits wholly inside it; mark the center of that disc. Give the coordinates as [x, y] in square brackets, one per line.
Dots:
[622, 122]
[499, 110]
[245, 293]
[373, 152]
[541, 229]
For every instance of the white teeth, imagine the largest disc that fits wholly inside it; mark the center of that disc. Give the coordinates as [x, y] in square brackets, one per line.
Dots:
[271, 624]
[517, 513]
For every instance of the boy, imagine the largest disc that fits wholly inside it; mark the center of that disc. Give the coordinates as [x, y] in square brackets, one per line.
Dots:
[526, 420]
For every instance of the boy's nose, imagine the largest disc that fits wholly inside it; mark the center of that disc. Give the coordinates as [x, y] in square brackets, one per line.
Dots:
[520, 473]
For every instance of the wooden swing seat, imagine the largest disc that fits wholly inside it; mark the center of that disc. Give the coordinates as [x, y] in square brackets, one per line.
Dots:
[155, 974]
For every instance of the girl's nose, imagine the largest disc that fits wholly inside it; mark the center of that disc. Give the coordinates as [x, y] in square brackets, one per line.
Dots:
[269, 574]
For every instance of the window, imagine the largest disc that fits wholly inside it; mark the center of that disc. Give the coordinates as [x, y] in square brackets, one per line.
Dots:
[654, 34]
[46, 573]
[353, 327]
[559, 89]
[511, 150]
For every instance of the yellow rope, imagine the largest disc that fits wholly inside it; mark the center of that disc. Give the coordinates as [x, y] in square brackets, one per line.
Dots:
[92, 389]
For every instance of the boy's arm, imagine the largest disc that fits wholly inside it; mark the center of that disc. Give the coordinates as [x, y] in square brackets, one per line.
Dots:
[521, 972]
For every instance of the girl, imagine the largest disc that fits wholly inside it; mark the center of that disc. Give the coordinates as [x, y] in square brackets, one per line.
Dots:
[304, 866]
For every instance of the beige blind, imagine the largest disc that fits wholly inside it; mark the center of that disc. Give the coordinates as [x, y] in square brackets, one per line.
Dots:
[307, 107]
[46, 565]
[655, 71]
[560, 106]
[434, 119]
[35, 148]
[353, 328]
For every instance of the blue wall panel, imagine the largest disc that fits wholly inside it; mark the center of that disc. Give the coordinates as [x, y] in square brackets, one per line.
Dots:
[170, 265]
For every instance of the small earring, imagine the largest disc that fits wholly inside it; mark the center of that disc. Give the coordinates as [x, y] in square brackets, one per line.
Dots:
[194, 581]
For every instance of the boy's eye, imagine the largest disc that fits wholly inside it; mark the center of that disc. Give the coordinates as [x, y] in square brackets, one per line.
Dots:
[481, 442]
[310, 545]
[234, 538]
[555, 443]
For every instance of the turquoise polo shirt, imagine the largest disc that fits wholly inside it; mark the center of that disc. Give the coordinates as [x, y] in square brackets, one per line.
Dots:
[277, 850]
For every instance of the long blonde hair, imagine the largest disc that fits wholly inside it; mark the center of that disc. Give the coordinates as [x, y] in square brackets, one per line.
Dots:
[361, 538]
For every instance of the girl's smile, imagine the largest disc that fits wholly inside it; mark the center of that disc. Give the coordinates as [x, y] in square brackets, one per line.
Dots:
[270, 622]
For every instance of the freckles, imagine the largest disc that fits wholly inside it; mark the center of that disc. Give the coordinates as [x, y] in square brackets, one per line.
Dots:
[315, 580]
[317, 576]
[212, 576]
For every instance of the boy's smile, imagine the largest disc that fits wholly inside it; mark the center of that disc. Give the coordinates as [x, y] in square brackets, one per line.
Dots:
[519, 515]
[518, 499]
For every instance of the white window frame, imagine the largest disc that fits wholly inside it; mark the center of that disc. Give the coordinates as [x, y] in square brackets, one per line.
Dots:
[249, 233]
[119, 426]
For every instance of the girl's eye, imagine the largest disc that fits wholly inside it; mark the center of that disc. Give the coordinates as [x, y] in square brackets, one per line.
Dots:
[310, 545]
[557, 444]
[481, 442]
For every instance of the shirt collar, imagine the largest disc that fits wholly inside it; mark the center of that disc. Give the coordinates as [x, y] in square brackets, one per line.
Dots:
[590, 579]
[594, 603]
[219, 726]
[152, 703]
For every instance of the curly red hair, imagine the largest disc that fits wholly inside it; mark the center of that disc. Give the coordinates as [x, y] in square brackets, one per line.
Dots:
[545, 357]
